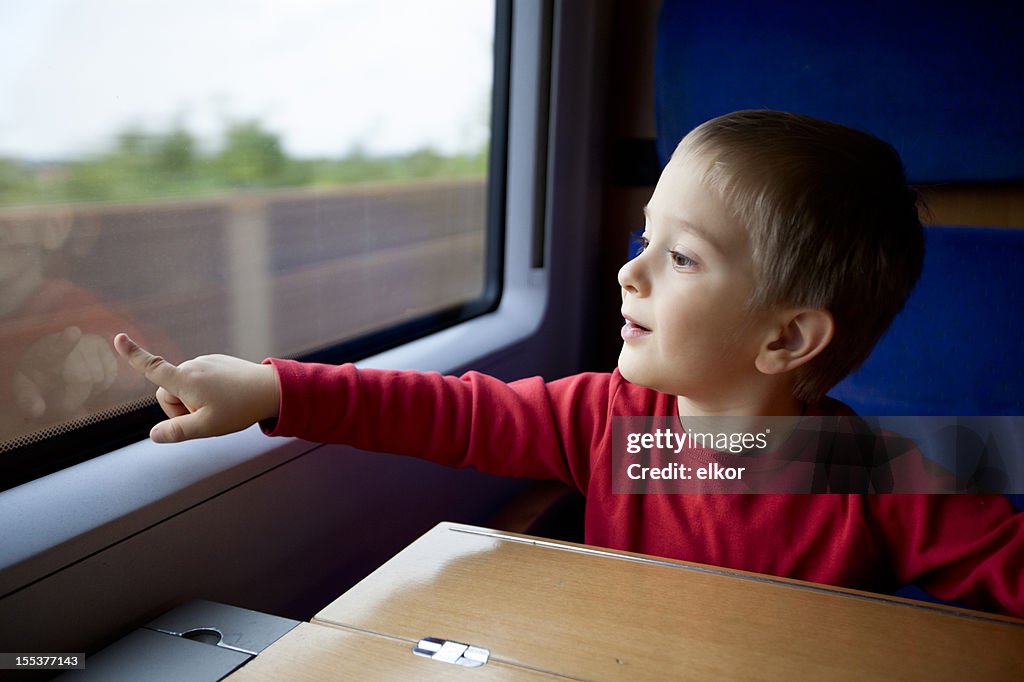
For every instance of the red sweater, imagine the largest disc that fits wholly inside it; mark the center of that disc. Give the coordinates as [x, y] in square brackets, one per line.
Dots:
[968, 548]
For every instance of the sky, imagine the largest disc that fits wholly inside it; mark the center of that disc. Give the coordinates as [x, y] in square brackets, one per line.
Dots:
[328, 76]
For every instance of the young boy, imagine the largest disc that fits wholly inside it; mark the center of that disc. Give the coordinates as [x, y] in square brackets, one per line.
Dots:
[777, 250]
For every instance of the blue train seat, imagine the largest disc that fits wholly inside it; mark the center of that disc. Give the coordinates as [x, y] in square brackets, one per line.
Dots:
[955, 348]
[941, 84]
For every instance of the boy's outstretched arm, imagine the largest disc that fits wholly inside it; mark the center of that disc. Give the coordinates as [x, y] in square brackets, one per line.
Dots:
[210, 395]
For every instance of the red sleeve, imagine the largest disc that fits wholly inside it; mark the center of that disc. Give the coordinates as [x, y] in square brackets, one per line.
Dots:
[966, 548]
[526, 428]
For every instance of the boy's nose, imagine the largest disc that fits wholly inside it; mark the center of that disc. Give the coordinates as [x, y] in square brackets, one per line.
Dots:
[632, 278]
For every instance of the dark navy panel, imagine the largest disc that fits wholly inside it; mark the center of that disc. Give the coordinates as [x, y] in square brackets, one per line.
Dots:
[941, 82]
[957, 346]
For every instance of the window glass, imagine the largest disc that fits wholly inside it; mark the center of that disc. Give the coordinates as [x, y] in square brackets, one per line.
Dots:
[242, 176]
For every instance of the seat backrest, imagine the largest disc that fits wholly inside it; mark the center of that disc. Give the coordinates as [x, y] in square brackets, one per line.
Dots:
[956, 349]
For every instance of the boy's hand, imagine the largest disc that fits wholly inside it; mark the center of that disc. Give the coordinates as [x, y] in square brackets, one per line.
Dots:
[209, 396]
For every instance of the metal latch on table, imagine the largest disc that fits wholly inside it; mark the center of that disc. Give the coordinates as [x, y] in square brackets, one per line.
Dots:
[447, 651]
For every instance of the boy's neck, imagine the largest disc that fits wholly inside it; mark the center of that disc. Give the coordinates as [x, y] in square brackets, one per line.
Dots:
[751, 417]
[779, 404]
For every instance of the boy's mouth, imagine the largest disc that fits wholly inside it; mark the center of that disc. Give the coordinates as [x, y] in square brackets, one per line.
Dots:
[633, 330]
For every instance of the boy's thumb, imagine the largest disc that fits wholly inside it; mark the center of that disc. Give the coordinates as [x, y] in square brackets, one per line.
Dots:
[177, 429]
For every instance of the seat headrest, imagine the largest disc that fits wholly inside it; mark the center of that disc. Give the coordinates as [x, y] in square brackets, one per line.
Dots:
[938, 81]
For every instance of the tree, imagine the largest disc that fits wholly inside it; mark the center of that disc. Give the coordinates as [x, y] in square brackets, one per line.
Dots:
[251, 155]
[175, 153]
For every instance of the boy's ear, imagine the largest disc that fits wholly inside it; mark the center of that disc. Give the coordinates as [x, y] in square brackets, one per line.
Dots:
[800, 336]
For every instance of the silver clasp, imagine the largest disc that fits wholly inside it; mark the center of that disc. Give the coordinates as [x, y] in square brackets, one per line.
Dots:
[447, 651]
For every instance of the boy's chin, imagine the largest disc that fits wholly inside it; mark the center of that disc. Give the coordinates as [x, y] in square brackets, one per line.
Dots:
[636, 373]
[633, 373]
[625, 366]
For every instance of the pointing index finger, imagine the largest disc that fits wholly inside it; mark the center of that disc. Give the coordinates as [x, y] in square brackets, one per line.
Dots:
[153, 367]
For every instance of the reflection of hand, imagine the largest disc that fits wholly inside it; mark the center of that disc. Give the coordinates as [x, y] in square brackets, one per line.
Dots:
[207, 396]
[59, 372]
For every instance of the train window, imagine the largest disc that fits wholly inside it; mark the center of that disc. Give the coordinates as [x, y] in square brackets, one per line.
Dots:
[319, 179]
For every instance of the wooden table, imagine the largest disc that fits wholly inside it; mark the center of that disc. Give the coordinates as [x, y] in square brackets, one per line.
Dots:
[554, 610]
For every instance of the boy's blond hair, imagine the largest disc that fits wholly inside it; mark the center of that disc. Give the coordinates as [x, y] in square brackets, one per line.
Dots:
[831, 221]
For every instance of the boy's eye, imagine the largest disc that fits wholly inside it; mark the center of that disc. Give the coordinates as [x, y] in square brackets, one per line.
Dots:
[681, 261]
